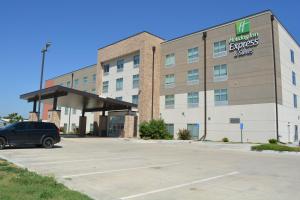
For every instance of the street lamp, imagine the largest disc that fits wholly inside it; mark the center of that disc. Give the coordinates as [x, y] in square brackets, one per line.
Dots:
[44, 50]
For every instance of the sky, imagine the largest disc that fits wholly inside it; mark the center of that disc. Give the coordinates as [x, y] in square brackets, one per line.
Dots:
[77, 28]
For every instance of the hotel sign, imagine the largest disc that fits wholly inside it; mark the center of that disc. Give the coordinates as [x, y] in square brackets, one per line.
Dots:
[244, 41]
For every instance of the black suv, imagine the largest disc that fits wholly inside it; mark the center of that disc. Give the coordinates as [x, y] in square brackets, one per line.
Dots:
[37, 133]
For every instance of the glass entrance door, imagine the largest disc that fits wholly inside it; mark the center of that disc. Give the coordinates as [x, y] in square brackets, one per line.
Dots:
[115, 126]
[296, 134]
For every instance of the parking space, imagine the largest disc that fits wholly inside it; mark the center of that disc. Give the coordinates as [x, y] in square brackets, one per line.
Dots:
[133, 169]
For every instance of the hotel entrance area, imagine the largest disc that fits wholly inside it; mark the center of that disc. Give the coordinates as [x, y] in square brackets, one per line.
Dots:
[116, 119]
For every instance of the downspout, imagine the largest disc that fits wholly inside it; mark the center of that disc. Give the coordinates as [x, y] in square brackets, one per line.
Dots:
[275, 79]
[205, 89]
[153, 59]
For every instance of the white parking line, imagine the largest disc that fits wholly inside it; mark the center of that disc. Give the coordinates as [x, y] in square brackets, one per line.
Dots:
[120, 170]
[179, 186]
[83, 160]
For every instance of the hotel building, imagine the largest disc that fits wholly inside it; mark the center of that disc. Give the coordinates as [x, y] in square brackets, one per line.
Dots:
[237, 77]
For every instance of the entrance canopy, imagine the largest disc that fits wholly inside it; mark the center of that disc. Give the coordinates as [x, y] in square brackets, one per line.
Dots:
[68, 97]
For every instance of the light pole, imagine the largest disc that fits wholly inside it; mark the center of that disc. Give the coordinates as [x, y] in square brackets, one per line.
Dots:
[44, 50]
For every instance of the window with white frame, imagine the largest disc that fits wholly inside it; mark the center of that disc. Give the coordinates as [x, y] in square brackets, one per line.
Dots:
[170, 60]
[119, 84]
[193, 99]
[169, 101]
[119, 98]
[221, 97]
[76, 83]
[73, 111]
[193, 76]
[136, 61]
[66, 111]
[94, 78]
[170, 129]
[135, 81]
[69, 84]
[91, 127]
[220, 49]
[93, 90]
[295, 100]
[169, 80]
[135, 99]
[106, 69]
[120, 65]
[193, 55]
[220, 72]
[292, 56]
[294, 78]
[85, 80]
[105, 87]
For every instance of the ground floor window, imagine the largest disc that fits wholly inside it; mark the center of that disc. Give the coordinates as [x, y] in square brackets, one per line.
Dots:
[91, 127]
[296, 134]
[170, 128]
[194, 130]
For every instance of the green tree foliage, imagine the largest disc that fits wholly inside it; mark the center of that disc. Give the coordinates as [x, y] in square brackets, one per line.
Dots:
[14, 117]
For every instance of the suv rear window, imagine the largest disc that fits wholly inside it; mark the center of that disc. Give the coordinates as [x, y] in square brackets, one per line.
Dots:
[49, 126]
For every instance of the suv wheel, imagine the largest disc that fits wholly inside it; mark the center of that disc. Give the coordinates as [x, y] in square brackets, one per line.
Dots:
[2, 143]
[48, 143]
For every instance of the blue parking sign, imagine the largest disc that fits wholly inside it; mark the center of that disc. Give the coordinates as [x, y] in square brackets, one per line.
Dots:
[241, 126]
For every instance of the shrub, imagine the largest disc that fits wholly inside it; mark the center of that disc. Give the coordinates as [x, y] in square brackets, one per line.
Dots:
[154, 129]
[184, 134]
[225, 139]
[272, 141]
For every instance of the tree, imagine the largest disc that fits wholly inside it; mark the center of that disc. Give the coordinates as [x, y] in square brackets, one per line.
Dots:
[14, 117]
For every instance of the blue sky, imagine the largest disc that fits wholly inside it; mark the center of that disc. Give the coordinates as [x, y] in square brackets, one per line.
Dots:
[78, 28]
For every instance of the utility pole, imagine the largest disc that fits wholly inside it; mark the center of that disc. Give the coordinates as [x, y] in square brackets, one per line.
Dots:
[44, 50]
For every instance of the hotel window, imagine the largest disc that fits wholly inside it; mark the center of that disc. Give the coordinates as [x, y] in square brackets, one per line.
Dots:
[135, 81]
[194, 130]
[76, 82]
[66, 111]
[193, 76]
[193, 55]
[169, 101]
[136, 61]
[169, 81]
[85, 80]
[73, 111]
[91, 127]
[293, 78]
[119, 84]
[295, 99]
[74, 127]
[94, 78]
[106, 69]
[220, 72]
[120, 65]
[292, 56]
[105, 87]
[94, 90]
[135, 99]
[62, 84]
[68, 84]
[170, 60]
[193, 99]
[221, 97]
[220, 49]
[119, 98]
[170, 129]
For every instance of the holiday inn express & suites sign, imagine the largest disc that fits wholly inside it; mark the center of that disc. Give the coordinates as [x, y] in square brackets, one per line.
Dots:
[244, 41]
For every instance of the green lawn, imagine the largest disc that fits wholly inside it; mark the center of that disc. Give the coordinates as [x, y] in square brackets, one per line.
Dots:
[274, 147]
[20, 184]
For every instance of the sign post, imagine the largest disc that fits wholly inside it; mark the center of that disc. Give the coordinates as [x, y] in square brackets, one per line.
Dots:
[241, 128]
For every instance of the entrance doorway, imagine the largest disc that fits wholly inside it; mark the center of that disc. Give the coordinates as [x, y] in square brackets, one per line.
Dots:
[115, 125]
[296, 134]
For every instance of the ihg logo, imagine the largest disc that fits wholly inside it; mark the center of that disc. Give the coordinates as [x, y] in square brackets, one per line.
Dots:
[242, 27]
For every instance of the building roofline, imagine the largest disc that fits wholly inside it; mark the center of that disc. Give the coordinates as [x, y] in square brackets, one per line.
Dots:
[131, 37]
[215, 26]
[88, 66]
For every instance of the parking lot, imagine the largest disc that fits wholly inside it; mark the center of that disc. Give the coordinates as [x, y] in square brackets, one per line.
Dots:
[135, 169]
